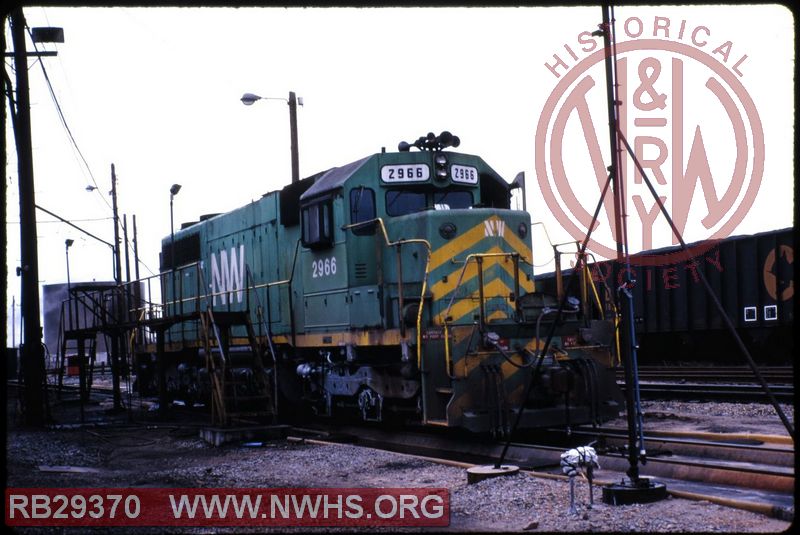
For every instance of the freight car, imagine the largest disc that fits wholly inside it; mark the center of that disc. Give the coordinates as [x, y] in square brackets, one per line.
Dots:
[398, 285]
[676, 320]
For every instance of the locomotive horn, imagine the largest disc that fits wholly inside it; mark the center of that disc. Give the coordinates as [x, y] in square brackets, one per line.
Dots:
[403, 146]
[445, 139]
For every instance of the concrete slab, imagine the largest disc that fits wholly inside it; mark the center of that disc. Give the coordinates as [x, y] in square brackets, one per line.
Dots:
[225, 435]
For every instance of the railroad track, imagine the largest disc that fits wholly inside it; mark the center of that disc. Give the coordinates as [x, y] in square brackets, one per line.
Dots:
[713, 392]
[729, 383]
[745, 471]
[751, 472]
[713, 374]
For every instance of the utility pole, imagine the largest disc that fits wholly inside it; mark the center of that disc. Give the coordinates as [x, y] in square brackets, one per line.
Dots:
[293, 133]
[117, 302]
[137, 292]
[32, 354]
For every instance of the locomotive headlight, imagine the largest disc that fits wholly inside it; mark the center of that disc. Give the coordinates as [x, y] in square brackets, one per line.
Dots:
[522, 230]
[441, 166]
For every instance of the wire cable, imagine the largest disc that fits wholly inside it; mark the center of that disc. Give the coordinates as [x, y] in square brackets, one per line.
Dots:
[65, 124]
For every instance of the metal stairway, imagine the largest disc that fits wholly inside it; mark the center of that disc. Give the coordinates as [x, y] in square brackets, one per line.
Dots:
[241, 386]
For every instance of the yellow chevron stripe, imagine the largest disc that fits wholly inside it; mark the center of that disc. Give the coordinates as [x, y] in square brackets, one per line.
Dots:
[496, 315]
[460, 244]
[519, 246]
[442, 288]
[463, 306]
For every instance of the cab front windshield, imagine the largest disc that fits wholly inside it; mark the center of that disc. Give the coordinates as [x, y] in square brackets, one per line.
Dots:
[402, 202]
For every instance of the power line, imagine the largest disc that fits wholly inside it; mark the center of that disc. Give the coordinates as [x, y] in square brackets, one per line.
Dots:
[38, 221]
[66, 126]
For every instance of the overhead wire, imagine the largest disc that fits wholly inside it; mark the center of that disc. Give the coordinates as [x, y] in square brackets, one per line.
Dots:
[65, 124]
[74, 142]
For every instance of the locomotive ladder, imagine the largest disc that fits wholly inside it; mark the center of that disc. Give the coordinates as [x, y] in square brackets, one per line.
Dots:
[227, 401]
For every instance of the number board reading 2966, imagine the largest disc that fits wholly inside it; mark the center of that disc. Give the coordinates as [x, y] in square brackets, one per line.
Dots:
[464, 173]
[415, 172]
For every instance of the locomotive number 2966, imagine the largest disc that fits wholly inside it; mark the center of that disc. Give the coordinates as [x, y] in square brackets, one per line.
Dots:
[416, 172]
[324, 267]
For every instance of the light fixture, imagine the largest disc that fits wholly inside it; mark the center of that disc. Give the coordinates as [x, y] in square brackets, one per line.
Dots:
[174, 189]
[441, 166]
[47, 35]
[249, 98]
[68, 243]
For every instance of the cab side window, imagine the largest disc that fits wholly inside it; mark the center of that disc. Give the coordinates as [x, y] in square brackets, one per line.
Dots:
[317, 219]
[362, 208]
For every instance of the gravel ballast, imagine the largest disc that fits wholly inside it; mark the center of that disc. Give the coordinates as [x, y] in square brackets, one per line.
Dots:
[174, 456]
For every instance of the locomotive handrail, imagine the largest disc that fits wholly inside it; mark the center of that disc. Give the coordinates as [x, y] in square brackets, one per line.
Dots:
[466, 259]
[268, 325]
[547, 236]
[145, 306]
[401, 242]
[596, 294]
[474, 256]
[478, 257]
[429, 249]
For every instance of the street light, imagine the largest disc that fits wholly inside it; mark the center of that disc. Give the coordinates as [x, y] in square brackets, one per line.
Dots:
[68, 243]
[172, 192]
[249, 98]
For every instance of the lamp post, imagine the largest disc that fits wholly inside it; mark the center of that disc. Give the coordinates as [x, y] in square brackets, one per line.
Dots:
[249, 98]
[172, 192]
[68, 243]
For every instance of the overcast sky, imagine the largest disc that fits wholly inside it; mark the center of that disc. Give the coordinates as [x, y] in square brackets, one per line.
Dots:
[156, 92]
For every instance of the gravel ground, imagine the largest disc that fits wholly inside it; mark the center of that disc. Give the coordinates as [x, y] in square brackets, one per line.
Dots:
[173, 456]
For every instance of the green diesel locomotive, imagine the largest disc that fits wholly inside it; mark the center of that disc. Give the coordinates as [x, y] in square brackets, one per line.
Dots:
[399, 285]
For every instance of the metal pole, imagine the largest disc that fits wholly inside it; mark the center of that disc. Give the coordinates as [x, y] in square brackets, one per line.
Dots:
[137, 289]
[172, 249]
[32, 354]
[128, 297]
[293, 130]
[127, 252]
[616, 187]
[636, 449]
[135, 250]
[13, 321]
[69, 286]
[128, 300]
[161, 368]
[117, 301]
